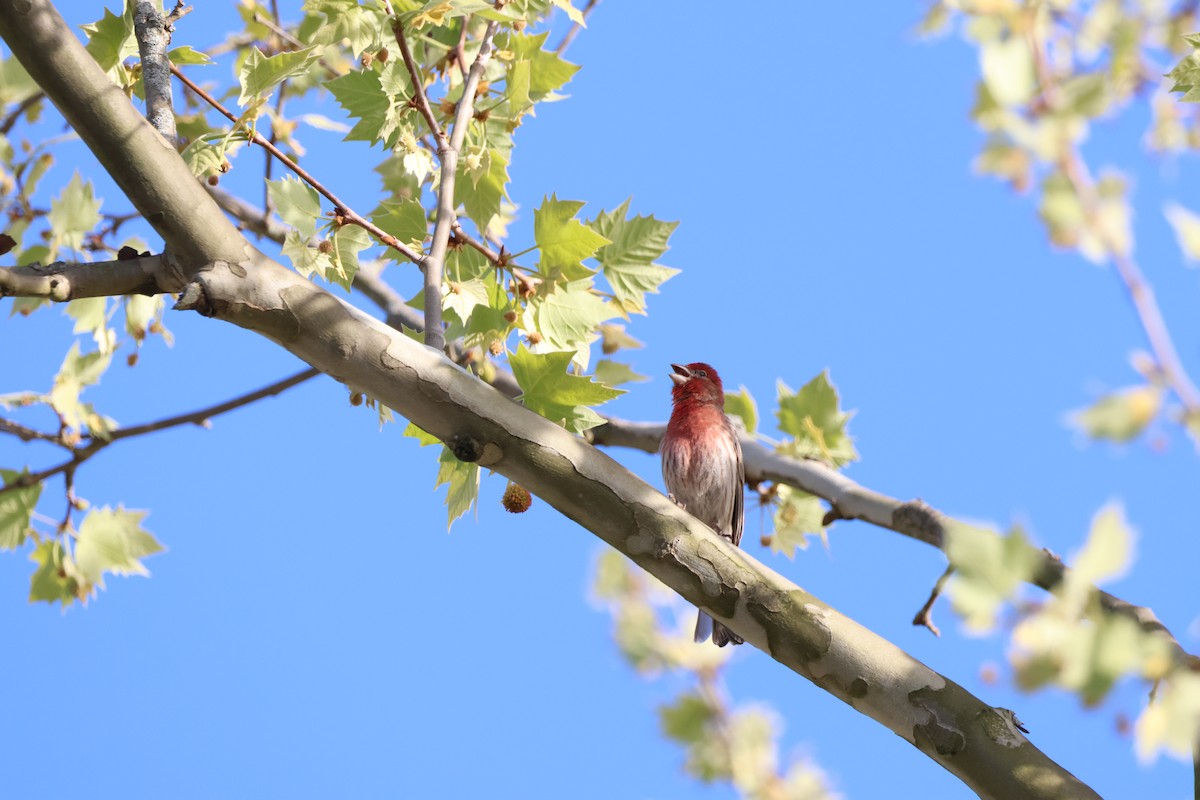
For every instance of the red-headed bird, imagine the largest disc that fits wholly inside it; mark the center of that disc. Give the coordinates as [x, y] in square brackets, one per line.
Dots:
[702, 466]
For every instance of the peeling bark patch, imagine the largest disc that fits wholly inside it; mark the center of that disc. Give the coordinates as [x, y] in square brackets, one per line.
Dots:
[237, 269]
[918, 520]
[934, 734]
[1000, 725]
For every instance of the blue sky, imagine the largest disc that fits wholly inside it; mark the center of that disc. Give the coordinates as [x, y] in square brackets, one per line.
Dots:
[314, 631]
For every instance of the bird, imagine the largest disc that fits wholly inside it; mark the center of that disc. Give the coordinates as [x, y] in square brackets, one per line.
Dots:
[702, 466]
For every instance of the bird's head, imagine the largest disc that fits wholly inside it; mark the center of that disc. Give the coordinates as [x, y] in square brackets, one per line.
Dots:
[697, 383]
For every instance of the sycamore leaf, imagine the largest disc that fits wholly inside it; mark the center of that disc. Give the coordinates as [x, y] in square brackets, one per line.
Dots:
[463, 480]
[614, 373]
[989, 570]
[564, 241]
[797, 516]
[260, 73]
[112, 540]
[613, 338]
[1172, 721]
[742, 406]
[362, 95]
[404, 219]
[567, 318]
[1122, 415]
[548, 71]
[687, 720]
[481, 193]
[573, 13]
[77, 371]
[53, 581]
[348, 242]
[74, 212]
[297, 204]
[818, 425]
[110, 39]
[628, 259]
[16, 507]
[187, 57]
[549, 390]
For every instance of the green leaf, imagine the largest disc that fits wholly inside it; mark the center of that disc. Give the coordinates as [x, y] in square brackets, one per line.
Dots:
[463, 296]
[742, 406]
[687, 720]
[297, 204]
[112, 540]
[1122, 415]
[548, 390]
[613, 338]
[818, 425]
[347, 20]
[16, 507]
[403, 219]
[362, 95]
[77, 371]
[306, 260]
[797, 516]
[1108, 550]
[74, 212]
[752, 750]
[187, 57]
[481, 194]
[110, 39]
[348, 242]
[567, 318]
[1007, 66]
[613, 373]
[15, 84]
[423, 437]
[989, 570]
[463, 480]
[53, 580]
[260, 73]
[627, 261]
[548, 72]
[564, 241]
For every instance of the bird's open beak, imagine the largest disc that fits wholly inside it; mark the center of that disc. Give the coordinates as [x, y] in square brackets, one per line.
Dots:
[681, 373]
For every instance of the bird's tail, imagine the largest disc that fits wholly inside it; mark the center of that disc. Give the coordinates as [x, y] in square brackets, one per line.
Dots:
[706, 627]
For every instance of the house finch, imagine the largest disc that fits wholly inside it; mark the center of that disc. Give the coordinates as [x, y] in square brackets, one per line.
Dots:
[702, 465]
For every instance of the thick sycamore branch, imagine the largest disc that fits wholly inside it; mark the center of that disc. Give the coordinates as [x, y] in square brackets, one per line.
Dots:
[228, 279]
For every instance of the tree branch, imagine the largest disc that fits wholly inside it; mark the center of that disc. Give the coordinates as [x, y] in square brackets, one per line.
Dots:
[448, 155]
[153, 36]
[82, 453]
[850, 500]
[61, 281]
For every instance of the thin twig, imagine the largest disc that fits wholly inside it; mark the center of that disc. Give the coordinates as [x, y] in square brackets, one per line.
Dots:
[347, 214]
[1137, 288]
[29, 434]
[435, 336]
[925, 615]
[575, 29]
[96, 444]
[414, 72]
[20, 110]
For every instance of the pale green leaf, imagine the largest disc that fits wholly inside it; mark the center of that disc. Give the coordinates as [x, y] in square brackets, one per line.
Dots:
[74, 212]
[463, 484]
[989, 570]
[1122, 415]
[112, 540]
[297, 204]
[614, 373]
[816, 422]
[797, 516]
[16, 507]
[53, 581]
[742, 406]
[1187, 230]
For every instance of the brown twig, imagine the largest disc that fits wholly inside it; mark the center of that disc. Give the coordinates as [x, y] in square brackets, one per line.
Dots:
[575, 29]
[95, 444]
[414, 72]
[925, 615]
[29, 434]
[17, 112]
[348, 214]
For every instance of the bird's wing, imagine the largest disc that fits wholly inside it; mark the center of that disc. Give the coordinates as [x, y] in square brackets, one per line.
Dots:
[739, 511]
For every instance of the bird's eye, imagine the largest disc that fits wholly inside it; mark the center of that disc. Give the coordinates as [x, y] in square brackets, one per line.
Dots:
[702, 373]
